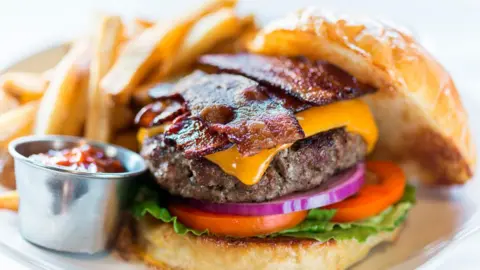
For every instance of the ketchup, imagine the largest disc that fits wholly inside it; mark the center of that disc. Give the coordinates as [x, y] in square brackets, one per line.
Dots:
[84, 158]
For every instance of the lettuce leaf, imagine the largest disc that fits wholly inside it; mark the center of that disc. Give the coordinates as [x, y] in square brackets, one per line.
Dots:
[161, 213]
[317, 225]
[388, 220]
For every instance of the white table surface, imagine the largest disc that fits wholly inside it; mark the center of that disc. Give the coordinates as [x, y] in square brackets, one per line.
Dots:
[449, 29]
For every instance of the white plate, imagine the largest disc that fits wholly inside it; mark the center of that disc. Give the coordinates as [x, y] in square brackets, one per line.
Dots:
[440, 216]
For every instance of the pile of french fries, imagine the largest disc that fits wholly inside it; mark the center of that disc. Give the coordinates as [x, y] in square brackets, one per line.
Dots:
[104, 79]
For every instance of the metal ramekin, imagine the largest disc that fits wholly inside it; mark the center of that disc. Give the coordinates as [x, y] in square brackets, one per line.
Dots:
[66, 210]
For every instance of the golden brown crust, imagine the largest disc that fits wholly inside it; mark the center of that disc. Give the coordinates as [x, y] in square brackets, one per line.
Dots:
[422, 122]
[165, 249]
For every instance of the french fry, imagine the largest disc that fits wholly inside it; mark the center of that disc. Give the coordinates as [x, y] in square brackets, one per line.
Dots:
[127, 139]
[239, 43]
[17, 122]
[9, 200]
[149, 49]
[13, 124]
[203, 36]
[54, 111]
[24, 85]
[219, 32]
[100, 105]
[123, 118]
[7, 102]
[74, 125]
[7, 170]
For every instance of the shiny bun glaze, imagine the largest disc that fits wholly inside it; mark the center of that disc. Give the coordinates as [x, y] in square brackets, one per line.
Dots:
[422, 123]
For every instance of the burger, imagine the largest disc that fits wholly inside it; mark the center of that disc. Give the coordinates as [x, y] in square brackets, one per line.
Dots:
[269, 159]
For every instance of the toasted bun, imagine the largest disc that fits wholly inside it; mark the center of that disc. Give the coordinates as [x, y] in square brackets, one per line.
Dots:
[422, 123]
[164, 249]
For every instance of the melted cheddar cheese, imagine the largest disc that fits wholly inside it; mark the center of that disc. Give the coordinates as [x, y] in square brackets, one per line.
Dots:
[354, 115]
[144, 133]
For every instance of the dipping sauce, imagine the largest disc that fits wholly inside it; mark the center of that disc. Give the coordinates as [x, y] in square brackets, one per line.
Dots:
[85, 158]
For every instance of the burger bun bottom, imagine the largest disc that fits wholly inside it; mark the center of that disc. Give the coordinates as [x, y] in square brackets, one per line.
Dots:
[162, 248]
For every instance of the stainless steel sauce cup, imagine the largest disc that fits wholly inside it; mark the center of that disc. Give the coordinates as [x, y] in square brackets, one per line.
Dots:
[66, 210]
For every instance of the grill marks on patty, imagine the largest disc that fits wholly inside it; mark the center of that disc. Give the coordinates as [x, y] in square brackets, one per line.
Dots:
[306, 164]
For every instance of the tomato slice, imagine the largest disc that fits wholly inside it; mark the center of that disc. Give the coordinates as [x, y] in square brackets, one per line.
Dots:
[372, 199]
[232, 225]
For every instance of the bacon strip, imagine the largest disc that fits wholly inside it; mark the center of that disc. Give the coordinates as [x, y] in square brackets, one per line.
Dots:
[159, 112]
[237, 107]
[316, 82]
[289, 102]
[193, 137]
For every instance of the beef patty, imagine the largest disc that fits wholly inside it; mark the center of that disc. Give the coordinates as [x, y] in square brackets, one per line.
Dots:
[306, 164]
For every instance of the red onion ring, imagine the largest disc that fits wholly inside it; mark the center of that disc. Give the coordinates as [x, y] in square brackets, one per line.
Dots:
[338, 188]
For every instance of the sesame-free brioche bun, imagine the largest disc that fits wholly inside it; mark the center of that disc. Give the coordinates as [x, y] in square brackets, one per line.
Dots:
[423, 125]
[162, 248]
